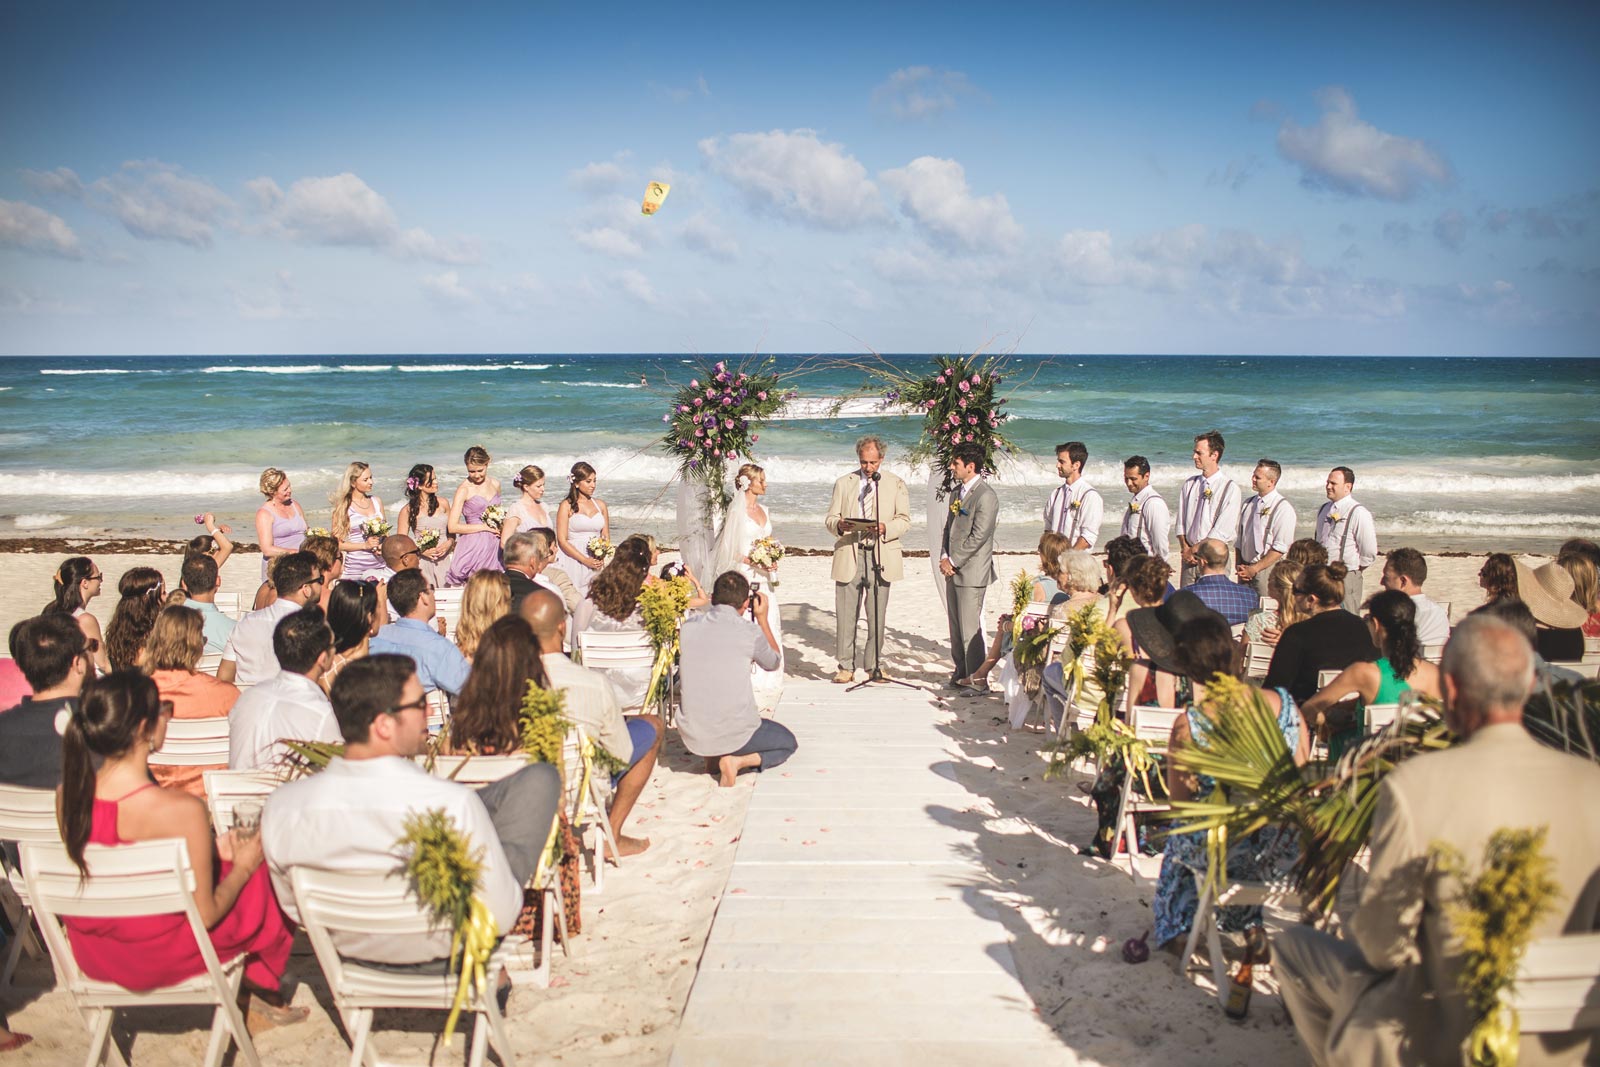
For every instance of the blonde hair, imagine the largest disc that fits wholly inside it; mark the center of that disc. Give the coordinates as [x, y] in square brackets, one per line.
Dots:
[1280, 585]
[176, 641]
[341, 499]
[486, 598]
[749, 470]
[271, 479]
[1585, 579]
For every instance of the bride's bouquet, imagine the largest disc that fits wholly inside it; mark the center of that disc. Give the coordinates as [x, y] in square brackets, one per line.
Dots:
[494, 516]
[427, 539]
[377, 526]
[766, 553]
[599, 548]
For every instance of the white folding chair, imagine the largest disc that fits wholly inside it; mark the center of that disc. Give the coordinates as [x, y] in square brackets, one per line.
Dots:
[447, 606]
[230, 604]
[1269, 603]
[193, 743]
[585, 791]
[1381, 716]
[475, 771]
[1152, 725]
[438, 710]
[1258, 659]
[381, 904]
[1324, 677]
[1433, 653]
[606, 650]
[1558, 985]
[209, 663]
[25, 815]
[1237, 892]
[147, 878]
[226, 790]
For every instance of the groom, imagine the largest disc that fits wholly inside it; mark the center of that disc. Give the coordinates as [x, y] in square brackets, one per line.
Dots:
[865, 493]
[967, 562]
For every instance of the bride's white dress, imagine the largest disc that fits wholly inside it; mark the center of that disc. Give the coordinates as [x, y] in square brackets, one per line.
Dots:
[739, 533]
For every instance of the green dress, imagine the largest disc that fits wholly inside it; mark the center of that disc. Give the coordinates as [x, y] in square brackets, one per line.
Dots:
[1391, 687]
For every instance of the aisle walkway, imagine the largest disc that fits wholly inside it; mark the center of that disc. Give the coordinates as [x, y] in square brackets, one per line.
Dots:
[851, 930]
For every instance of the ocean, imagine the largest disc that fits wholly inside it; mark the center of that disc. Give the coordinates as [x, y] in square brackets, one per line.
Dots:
[1450, 454]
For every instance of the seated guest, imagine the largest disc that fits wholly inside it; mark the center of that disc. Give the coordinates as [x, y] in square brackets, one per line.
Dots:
[1329, 638]
[1399, 670]
[719, 719]
[1391, 991]
[1306, 551]
[1515, 614]
[247, 658]
[1585, 589]
[1498, 579]
[612, 606]
[143, 591]
[1265, 626]
[170, 657]
[354, 617]
[529, 555]
[1120, 551]
[325, 548]
[54, 658]
[399, 553]
[1405, 569]
[120, 721]
[349, 816]
[13, 685]
[1217, 588]
[440, 663]
[1045, 588]
[1079, 576]
[1148, 586]
[290, 705]
[78, 581]
[1547, 591]
[1203, 649]
[592, 704]
[200, 582]
[485, 598]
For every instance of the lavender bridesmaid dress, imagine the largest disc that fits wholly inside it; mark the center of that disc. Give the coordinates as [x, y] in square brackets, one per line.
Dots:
[475, 551]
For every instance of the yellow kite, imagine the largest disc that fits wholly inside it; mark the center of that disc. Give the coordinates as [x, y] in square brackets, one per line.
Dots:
[653, 197]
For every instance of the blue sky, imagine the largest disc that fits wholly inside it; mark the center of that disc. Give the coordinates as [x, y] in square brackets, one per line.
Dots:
[1057, 178]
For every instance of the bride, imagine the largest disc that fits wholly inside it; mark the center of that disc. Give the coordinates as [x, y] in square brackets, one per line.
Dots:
[748, 522]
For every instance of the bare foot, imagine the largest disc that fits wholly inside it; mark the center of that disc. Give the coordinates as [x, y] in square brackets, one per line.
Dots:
[728, 771]
[630, 846]
[264, 1016]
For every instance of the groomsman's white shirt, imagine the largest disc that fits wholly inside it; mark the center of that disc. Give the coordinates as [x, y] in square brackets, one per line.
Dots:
[1267, 526]
[1200, 518]
[1151, 524]
[1075, 522]
[1352, 539]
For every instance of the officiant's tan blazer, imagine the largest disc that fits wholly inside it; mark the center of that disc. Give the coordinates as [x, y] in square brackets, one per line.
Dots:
[894, 511]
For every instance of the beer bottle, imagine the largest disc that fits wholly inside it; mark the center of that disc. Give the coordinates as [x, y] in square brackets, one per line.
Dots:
[1239, 990]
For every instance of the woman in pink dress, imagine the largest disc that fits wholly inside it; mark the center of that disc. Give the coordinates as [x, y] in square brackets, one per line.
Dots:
[78, 581]
[353, 505]
[121, 719]
[280, 523]
[580, 517]
[528, 512]
[478, 544]
[423, 511]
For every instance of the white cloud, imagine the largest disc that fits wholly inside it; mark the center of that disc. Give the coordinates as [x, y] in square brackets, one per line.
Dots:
[609, 241]
[63, 181]
[596, 178]
[922, 92]
[796, 176]
[701, 234]
[156, 201]
[344, 211]
[33, 229]
[636, 285]
[933, 193]
[446, 289]
[1341, 152]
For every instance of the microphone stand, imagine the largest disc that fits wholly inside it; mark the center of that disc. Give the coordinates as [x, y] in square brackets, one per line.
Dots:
[874, 632]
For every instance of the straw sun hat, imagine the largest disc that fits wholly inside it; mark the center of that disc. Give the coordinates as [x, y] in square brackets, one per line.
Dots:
[1156, 629]
[1548, 593]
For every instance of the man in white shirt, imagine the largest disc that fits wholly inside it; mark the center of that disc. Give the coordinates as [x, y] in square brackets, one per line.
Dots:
[1345, 528]
[349, 816]
[247, 658]
[1076, 508]
[1208, 505]
[290, 705]
[591, 702]
[1266, 529]
[1404, 570]
[1147, 519]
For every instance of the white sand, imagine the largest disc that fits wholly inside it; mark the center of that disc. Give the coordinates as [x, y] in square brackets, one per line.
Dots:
[621, 996]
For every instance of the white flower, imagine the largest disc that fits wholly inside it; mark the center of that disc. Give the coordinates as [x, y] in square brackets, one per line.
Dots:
[742, 482]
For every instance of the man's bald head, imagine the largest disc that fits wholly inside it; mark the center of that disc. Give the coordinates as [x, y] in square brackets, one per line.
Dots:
[1487, 671]
[400, 552]
[1213, 553]
[544, 612]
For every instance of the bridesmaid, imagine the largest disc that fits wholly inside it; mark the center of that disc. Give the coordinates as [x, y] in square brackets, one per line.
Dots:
[422, 487]
[580, 517]
[479, 546]
[280, 524]
[528, 512]
[78, 581]
[354, 504]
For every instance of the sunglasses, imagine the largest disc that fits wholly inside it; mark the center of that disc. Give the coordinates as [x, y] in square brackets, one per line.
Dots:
[420, 704]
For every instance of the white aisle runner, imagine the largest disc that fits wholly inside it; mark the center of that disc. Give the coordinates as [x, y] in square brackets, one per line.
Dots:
[850, 931]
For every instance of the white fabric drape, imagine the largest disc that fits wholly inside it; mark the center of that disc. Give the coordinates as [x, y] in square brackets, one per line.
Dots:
[937, 513]
[696, 528]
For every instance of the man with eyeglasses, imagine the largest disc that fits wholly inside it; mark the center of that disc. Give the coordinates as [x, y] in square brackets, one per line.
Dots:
[290, 705]
[440, 664]
[348, 817]
[248, 658]
[54, 657]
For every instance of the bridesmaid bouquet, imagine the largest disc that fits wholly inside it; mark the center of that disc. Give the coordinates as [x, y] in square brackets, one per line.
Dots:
[494, 516]
[318, 531]
[427, 539]
[766, 553]
[599, 548]
[377, 526]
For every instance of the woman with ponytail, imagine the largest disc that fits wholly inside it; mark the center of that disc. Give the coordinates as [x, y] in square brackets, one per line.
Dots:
[581, 517]
[143, 592]
[78, 581]
[119, 722]
[1327, 638]
[422, 511]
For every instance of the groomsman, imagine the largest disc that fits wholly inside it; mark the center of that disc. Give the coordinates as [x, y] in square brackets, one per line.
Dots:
[1208, 506]
[1076, 507]
[1147, 519]
[1345, 528]
[1267, 529]
[967, 560]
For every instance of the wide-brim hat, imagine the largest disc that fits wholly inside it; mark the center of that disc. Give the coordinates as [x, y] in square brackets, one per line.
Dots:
[1155, 629]
[1547, 591]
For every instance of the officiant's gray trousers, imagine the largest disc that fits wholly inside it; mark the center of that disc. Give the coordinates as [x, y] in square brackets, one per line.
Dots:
[848, 598]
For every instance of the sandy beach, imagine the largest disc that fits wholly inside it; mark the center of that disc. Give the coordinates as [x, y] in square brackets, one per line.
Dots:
[621, 995]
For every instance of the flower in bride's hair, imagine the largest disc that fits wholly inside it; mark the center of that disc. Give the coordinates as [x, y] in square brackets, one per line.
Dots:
[742, 482]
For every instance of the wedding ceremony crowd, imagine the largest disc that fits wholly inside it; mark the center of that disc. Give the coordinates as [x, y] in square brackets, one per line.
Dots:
[348, 645]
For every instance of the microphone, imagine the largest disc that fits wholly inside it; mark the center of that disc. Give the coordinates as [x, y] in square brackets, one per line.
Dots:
[876, 475]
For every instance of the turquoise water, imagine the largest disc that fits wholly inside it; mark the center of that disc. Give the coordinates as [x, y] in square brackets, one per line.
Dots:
[1449, 453]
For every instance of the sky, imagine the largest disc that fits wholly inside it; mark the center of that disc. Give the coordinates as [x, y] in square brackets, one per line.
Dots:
[1055, 178]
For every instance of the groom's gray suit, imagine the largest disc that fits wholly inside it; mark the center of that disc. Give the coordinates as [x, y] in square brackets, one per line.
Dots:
[969, 545]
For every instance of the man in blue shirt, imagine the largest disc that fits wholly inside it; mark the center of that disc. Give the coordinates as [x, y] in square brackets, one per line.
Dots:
[440, 664]
[1220, 592]
[201, 580]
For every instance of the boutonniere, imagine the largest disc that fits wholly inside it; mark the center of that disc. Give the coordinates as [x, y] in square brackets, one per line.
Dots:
[1266, 511]
[1206, 492]
[1333, 516]
[1133, 506]
[956, 508]
[1075, 504]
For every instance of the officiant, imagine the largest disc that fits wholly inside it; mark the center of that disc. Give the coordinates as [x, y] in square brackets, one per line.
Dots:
[868, 515]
